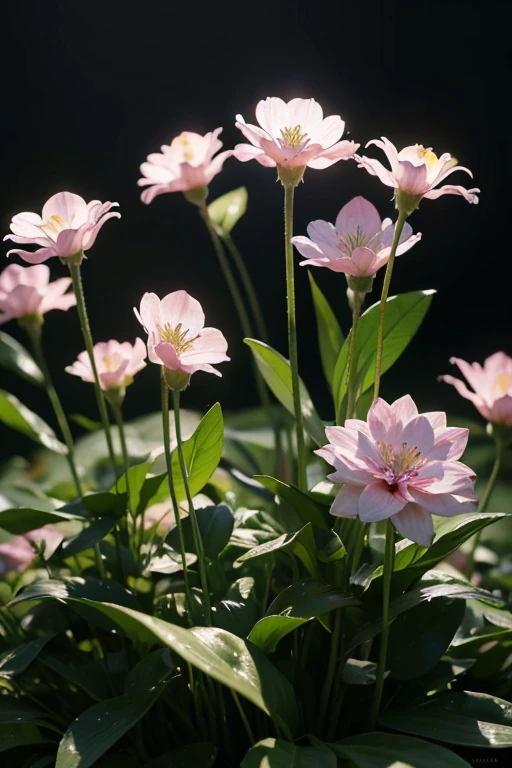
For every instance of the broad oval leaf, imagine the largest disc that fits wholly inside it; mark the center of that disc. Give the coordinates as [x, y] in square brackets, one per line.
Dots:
[15, 357]
[17, 416]
[226, 210]
[151, 670]
[307, 599]
[300, 543]
[306, 508]
[202, 452]
[215, 525]
[23, 735]
[386, 750]
[22, 520]
[277, 753]
[16, 661]
[330, 336]
[76, 587]
[276, 371]
[268, 631]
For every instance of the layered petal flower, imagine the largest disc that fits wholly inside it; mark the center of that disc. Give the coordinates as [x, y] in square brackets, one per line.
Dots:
[28, 291]
[116, 363]
[416, 171]
[293, 135]
[491, 386]
[400, 465]
[67, 226]
[358, 244]
[177, 338]
[189, 162]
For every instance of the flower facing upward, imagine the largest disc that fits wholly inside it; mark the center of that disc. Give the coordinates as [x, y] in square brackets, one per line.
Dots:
[187, 163]
[492, 385]
[177, 338]
[358, 243]
[415, 171]
[116, 362]
[68, 226]
[28, 291]
[293, 135]
[400, 465]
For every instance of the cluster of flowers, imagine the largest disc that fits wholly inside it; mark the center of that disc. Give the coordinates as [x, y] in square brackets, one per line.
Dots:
[398, 464]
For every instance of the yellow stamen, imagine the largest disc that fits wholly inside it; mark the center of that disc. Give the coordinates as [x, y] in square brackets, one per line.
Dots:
[292, 136]
[428, 156]
[504, 382]
[403, 460]
[176, 337]
[112, 362]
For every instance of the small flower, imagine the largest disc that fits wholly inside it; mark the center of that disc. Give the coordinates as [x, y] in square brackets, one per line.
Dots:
[358, 243]
[188, 163]
[492, 385]
[293, 135]
[415, 171]
[400, 465]
[28, 291]
[68, 226]
[17, 553]
[177, 338]
[116, 362]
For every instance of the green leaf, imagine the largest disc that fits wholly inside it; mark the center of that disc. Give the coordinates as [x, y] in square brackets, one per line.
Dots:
[84, 421]
[136, 478]
[216, 526]
[277, 753]
[23, 735]
[17, 416]
[22, 520]
[386, 750]
[88, 536]
[307, 599]
[238, 611]
[464, 718]
[300, 543]
[276, 371]
[17, 711]
[226, 210]
[200, 755]
[330, 336]
[307, 509]
[202, 452]
[101, 726]
[170, 562]
[17, 660]
[404, 315]
[89, 675]
[153, 669]
[268, 631]
[217, 653]
[358, 672]
[76, 587]
[15, 357]
[102, 504]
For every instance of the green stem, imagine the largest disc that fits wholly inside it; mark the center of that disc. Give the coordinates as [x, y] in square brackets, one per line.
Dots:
[484, 503]
[86, 331]
[35, 338]
[389, 562]
[351, 368]
[243, 717]
[359, 546]
[118, 416]
[402, 215]
[198, 542]
[329, 677]
[292, 335]
[245, 277]
[175, 506]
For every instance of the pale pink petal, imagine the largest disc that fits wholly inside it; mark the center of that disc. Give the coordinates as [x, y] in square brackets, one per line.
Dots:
[449, 168]
[209, 347]
[307, 247]
[304, 112]
[343, 150]
[245, 152]
[375, 168]
[71, 208]
[443, 504]
[359, 215]
[415, 523]
[109, 379]
[455, 478]
[271, 114]
[34, 257]
[378, 502]
[149, 194]
[251, 132]
[179, 308]
[167, 355]
[346, 502]
[418, 433]
[437, 419]
[405, 410]
[411, 179]
[365, 261]
[389, 150]
[150, 315]
[450, 444]
[463, 390]
[92, 233]
[206, 367]
[471, 195]
[381, 420]
[358, 425]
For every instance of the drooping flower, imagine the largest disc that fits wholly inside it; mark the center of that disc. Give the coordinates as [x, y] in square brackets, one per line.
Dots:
[293, 135]
[116, 363]
[358, 244]
[17, 553]
[177, 338]
[28, 291]
[188, 163]
[401, 465]
[68, 226]
[492, 386]
[415, 171]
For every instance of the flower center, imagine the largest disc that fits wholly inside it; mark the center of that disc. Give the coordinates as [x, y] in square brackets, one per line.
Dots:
[111, 362]
[54, 225]
[292, 137]
[401, 465]
[504, 382]
[176, 337]
[428, 156]
[183, 142]
[349, 242]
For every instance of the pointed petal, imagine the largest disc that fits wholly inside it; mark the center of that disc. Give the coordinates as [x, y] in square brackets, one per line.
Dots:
[378, 502]
[416, 524]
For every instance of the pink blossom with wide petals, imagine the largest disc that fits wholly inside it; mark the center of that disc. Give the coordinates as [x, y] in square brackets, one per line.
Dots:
[68, 225]
[116, 363]
[358, 244]
[28, 291]
[17, 553]
[492, 386]
[416, 171]
[293, 135]
[177, 337]
[400, 465]
[187, 163]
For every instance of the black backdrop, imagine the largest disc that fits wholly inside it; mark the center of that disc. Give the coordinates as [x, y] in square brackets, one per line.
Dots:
[90, 88]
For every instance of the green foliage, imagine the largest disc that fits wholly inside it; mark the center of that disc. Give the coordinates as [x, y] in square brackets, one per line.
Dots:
[15, 357]
[330, 336]
[226, 210]
[17, 416]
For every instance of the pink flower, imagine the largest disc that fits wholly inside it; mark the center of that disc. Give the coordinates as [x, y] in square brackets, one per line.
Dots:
[177, 338]
[68, 226]
[293, 135]
[188, 163]
[28, 291]
[416, 171]
[492, 385]
[358, 243]
[17, 553]
[400, 465]
[116, 362]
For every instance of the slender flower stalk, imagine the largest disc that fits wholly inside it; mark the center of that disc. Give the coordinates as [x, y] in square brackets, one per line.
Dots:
[198, 543]
[388, 566]
[175, 506]
[86, 331]
[357, 301]
[292, 334]
[118, 416]
[482, 507]
[402, 215]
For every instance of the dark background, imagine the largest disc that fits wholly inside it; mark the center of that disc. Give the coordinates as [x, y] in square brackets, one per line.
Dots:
[90, 88]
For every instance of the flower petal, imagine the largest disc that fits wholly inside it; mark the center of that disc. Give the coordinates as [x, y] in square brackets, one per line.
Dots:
[416, 524]
[378, 502]
[346, 501]
[180, 308]
[359, 215]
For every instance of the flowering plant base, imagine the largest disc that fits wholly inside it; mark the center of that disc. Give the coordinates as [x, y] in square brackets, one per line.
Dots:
[264, 588]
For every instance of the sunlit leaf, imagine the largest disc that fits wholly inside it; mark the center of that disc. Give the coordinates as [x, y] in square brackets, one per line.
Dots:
[226, 210]
[20, 418]
[330, 336]
[15, 357]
